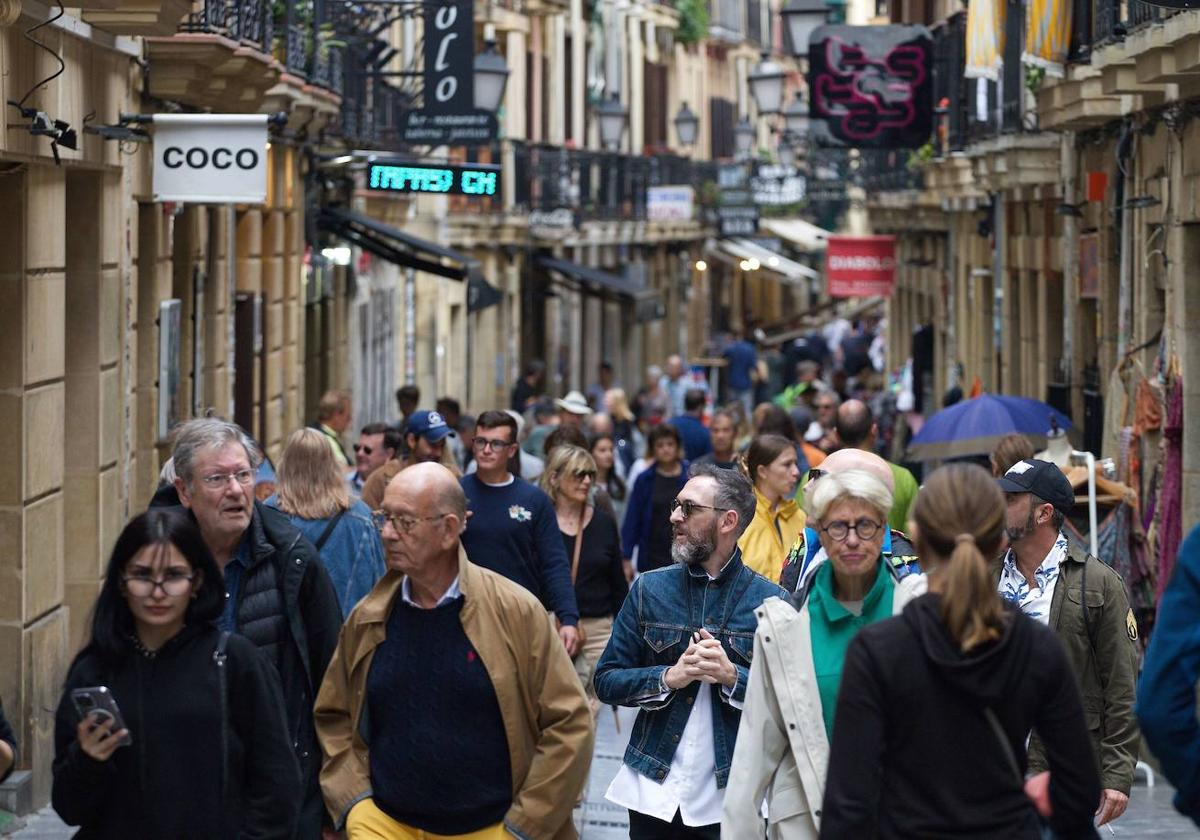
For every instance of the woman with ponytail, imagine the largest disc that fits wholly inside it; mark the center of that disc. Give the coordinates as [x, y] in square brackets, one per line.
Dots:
[936, 704]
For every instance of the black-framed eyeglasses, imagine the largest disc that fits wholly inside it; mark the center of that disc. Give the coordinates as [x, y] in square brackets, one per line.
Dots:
[401, 524]
[171, 583]
[482, 443]
[814, 473]
[840, 530]
[689, 507]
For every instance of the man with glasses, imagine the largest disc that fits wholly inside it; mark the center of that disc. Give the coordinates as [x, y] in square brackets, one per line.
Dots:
[513, 528]
[277, 592]
[680, 652]
[478, 724]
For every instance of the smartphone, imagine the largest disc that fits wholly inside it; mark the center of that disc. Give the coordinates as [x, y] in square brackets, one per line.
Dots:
[98, 702]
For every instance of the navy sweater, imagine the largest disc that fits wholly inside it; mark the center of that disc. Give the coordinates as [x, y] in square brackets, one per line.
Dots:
[514, 532]
[439, 755]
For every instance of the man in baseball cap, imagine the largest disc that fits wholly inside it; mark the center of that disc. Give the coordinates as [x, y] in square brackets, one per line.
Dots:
[1055, 581]
[425, 432]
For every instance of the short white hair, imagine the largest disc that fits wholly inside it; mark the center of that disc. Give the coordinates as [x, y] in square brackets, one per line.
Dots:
[850, 485]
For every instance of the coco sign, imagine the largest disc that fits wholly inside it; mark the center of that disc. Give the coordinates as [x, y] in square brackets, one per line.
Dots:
[210, 158]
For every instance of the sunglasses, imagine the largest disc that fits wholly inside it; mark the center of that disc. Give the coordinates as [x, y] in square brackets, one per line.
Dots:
[689, 507]
[814, 474]
[583, 475]
[363, 448]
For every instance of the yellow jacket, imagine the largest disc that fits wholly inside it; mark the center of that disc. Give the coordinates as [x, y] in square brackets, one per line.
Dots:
[546, 716]
[766, 542]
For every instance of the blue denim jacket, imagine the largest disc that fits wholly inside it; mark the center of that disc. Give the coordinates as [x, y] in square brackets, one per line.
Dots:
[664, 607]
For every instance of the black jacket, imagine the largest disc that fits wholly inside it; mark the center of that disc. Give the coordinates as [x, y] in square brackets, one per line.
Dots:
[168, 782]
[913, 754]
[289, 609]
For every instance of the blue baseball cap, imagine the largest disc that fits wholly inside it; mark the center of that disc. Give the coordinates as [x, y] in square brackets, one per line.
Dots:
[428, 424]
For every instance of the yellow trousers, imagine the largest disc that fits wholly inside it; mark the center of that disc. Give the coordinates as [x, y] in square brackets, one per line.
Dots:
[366, 822]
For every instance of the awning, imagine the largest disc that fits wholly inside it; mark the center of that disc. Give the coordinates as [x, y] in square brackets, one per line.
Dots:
[744, 249]
[778, 263]
[396, 246]
[804, 236]
[595, 276]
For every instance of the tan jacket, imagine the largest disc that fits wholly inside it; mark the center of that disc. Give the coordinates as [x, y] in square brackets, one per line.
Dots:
[782, 751]
[546, 716]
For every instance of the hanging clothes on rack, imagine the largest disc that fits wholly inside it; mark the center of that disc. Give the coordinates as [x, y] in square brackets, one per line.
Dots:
[1170, 526]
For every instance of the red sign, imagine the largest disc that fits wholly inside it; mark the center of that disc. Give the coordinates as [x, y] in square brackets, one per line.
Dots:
[860, 266]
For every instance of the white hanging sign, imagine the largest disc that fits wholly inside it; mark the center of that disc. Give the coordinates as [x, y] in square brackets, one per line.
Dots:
[210, 158]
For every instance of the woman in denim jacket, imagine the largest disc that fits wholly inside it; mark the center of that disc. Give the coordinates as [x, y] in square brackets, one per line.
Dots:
[312, 491]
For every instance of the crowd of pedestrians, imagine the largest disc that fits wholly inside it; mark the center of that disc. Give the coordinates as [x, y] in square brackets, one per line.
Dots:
[412, 636]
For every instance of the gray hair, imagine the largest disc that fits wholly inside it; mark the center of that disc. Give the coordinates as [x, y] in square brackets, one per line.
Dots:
[734, 492]
[167, 474]
[194, 436]
[850, 485]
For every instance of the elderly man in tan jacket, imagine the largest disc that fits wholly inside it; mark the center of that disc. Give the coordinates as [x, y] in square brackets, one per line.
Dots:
[450, 708]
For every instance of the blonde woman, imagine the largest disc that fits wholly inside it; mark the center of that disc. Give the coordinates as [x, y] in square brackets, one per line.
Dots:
[627, 440]
[594, 546]
[312, 490]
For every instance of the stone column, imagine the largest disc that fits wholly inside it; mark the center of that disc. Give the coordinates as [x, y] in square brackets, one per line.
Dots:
[33, 618]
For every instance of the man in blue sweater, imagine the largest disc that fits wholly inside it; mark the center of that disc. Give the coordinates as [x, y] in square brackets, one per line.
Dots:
[697, 441]
[513, 529]
[1166, 698]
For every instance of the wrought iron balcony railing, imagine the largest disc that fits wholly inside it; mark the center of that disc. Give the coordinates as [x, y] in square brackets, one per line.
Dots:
[297, 33]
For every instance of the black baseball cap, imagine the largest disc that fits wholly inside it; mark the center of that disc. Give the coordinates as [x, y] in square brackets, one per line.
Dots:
[1041, 478]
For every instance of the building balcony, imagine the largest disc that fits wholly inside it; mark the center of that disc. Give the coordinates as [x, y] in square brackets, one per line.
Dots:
[249, 55]
[566, 195]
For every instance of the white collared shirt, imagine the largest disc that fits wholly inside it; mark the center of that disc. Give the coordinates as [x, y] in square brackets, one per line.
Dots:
[1033, 601]
[449, 595]
[691, 784]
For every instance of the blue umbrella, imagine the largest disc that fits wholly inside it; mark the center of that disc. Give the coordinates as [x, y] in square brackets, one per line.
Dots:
[975, 426]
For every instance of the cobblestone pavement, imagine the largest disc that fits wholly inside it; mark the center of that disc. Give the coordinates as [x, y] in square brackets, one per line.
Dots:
[1150, 814]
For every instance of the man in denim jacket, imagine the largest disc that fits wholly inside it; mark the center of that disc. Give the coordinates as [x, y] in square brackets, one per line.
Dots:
[682, 644]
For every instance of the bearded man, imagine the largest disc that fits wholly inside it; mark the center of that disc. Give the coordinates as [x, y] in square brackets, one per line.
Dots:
[680, 652]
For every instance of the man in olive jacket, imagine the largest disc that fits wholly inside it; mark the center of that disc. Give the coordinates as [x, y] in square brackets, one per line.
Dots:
[450, 706]
[1053, 580]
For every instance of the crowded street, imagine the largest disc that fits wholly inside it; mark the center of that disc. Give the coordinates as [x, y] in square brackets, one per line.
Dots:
[550, 419]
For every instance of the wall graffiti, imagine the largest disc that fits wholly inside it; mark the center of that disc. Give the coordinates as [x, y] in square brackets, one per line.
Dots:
[871, 85]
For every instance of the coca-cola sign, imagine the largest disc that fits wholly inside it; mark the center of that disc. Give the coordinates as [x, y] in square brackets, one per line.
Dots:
[860, 266]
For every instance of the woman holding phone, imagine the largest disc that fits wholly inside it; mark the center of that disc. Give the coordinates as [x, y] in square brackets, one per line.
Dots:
[167, 726]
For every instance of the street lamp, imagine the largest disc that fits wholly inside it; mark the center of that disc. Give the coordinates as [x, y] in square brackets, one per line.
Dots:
[491, 77]
[802, 17]
[744, 136]
[613, 116]
[687, 125]
[766, 85]
[795, 117]
[787, 154]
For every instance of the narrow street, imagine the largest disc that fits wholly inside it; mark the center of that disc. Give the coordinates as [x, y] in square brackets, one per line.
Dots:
[1150, 814]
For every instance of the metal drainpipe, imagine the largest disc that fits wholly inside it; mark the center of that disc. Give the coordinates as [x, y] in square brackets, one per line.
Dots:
[1069, 156]
[1125, 237]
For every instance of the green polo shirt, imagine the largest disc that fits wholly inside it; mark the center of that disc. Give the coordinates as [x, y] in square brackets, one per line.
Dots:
[832, 626]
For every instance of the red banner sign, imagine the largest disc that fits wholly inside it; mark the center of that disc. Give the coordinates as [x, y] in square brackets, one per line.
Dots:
[860, 266]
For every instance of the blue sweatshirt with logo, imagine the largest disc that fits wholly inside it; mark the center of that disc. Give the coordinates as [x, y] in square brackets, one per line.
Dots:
[513, 531]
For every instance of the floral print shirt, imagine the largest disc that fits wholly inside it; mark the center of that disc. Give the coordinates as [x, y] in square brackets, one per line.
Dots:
[1033, 601]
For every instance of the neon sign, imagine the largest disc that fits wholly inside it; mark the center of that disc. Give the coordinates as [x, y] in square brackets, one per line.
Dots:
[472, 179]
[871, 84]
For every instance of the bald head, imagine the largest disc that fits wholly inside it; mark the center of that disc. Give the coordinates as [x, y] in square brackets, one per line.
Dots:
[436, 488]
[856, 459]
[855, 425]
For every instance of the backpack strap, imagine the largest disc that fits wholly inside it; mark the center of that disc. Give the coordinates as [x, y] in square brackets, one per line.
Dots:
[219, 658]
[329, 529]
